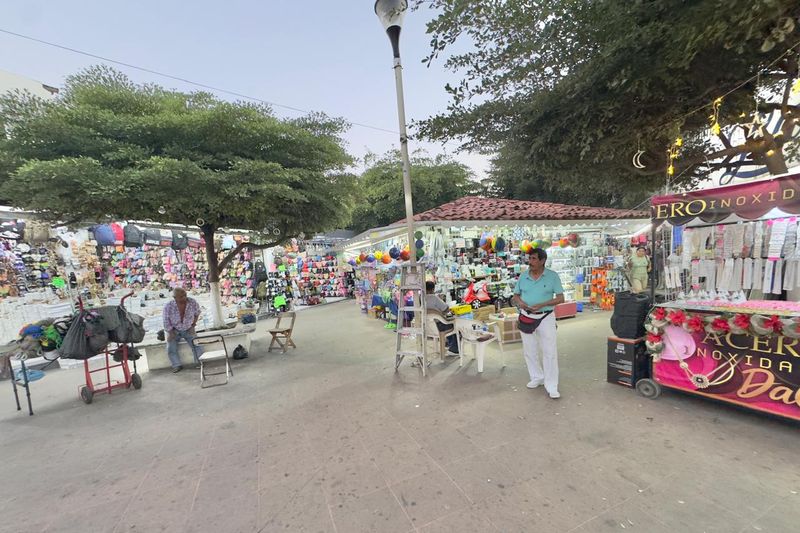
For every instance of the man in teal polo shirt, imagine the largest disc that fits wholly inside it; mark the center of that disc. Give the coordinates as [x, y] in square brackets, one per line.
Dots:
[536, 294]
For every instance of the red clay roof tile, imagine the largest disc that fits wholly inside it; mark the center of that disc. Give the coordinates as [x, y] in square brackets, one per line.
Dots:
[479, 208]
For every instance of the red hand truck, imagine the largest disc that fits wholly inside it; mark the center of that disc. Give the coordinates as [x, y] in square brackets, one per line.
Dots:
[87, 392]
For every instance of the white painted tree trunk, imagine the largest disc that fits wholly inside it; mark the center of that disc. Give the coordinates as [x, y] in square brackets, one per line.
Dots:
[216, 305]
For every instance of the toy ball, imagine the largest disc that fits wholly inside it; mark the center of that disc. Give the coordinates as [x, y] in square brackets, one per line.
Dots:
[420, 252]
[500, 244]
[378, 256]
[363, 257]
[371, 258]
[352, 262]
[358, 260]
[482, 242]
[525, 246]
[394, 253]
[59, 283]
[563, 243]
[573, 238]
[386, 259]
[404, 255]
[545, 243]
[418, 235]
[419, 244]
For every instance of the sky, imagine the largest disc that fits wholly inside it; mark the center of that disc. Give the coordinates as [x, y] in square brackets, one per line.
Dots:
[316, 55]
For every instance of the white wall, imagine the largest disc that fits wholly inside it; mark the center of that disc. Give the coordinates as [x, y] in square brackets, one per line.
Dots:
[10, 82]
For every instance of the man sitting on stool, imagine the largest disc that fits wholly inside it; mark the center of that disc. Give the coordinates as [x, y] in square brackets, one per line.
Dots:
[180, 319]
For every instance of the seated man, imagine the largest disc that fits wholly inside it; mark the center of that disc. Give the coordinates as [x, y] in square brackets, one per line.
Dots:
[444, 319]
[180, 319]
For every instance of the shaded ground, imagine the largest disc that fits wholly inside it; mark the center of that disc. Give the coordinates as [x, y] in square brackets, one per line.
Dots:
[330, 438]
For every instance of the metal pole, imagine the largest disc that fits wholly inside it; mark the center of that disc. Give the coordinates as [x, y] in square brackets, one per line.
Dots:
[401, 116]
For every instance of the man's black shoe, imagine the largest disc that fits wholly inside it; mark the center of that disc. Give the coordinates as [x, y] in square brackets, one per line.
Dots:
[177, 369]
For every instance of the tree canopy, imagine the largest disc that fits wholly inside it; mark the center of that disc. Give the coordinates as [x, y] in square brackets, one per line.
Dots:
[567, 91]
[107, 147]
[434, 181]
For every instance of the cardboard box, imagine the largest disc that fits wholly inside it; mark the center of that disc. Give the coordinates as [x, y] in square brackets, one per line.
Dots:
[483, 313]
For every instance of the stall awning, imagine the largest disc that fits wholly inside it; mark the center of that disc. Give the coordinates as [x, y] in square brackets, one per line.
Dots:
[748, 201]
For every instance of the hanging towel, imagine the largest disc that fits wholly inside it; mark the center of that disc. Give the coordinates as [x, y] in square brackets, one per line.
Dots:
[747, 248]
[720, 274]
[769, 270]
[777, 239]
[758, 273]
[767, 237]
[736, 281]
[790, 274]
[790, 244]
[695, 274]
[747, 274]
[777, 283]
[737, 239]
[728, 241]
[758, 236]
[725, 282]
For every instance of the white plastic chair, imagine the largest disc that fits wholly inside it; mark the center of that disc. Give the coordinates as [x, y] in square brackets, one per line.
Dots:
[440, 337]
[469, 331]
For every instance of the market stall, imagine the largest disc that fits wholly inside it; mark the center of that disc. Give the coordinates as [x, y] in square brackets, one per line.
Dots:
[474, 249]
[729, 327]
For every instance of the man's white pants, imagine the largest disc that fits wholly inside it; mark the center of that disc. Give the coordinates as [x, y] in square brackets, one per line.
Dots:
[541, 353]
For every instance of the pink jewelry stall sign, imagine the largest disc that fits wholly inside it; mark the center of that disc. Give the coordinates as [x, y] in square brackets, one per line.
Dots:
[757, 372]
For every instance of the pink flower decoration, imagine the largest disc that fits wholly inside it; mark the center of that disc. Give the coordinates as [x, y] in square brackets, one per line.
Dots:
[774, 323]
[741, 321]
[720, 324]
[677, 318]
[695, 324]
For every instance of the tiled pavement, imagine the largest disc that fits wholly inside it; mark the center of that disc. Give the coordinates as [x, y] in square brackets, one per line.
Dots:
[330, 438]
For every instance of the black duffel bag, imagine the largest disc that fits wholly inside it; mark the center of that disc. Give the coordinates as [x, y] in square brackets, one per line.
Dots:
[630, 312]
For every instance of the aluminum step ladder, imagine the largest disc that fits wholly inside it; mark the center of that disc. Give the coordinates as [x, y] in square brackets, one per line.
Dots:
[411, 339]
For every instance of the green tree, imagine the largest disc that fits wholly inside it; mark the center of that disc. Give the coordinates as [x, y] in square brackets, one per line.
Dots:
[107, 147]
[566, 91]
[434, 181]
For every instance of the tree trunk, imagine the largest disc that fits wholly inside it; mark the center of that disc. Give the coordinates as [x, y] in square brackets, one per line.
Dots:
[213, 277]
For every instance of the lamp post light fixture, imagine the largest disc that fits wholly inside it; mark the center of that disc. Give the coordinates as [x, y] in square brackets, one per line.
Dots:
[391, 14]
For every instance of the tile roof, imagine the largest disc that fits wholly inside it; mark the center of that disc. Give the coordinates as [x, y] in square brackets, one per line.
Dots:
[486, 209]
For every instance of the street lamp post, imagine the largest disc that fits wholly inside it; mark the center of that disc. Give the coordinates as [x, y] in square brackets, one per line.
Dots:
[391, 14]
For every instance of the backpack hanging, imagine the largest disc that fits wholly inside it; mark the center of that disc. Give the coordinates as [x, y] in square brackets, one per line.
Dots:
[179, 240]
[259, 272]
[104, 235]
[132, 236]
[152, 237]
[166, 237]
[119, 233]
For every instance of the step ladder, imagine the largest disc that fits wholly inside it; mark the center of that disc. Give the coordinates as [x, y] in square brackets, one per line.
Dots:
[411, 339]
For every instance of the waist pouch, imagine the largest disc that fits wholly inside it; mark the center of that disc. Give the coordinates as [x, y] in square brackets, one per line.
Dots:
[528, 324]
